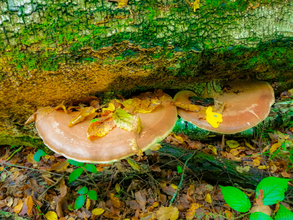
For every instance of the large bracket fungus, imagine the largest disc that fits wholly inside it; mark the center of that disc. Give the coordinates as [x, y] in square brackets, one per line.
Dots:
[73, 143]
[245, 104]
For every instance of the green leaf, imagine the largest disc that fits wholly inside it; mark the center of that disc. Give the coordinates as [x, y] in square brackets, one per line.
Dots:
[283, 214]
[91, 168]
[259, 216]
[94, 120]
[133, 164]
[93, 195]
[79, 202]
[39, 154]
[236, 199]
[75, 174]
[83, 190]
[70, 207]
[75, 163]
[179, 169]
[273, 189]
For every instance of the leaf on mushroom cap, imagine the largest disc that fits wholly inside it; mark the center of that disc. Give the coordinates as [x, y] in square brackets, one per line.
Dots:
[72, 142]
[247, 103]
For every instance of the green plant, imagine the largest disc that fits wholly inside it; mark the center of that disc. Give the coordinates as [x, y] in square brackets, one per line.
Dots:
[268, 192]
[84, 191]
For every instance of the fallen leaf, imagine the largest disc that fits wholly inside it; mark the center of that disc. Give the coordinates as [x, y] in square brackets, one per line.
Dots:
[62, 106]
[18, 207]
[109, 109]
[286, 175]
[213, 118]
[133, 164]
[115, 200]
[123, 120]
[191, 211]
[274, 147]
[155, 147]
[242, 169]
[51, 215]
[121, 3]
[60, 166]
[228, 214]
[98, 211]
[263, 167]
[187, 107]
[141, 199]
[167, 213]
[208, 198]
[29, 203]
[248, 145]
[84, 112]
[117, 188]
[232, 143]
[213, 149]
[88, 203]
[196, 5]
[100, 128]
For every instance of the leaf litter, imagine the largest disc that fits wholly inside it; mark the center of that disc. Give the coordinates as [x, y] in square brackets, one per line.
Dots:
[137, 187]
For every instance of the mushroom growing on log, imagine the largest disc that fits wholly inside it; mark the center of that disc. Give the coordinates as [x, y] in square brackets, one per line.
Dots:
[73, 143]
[246, 103]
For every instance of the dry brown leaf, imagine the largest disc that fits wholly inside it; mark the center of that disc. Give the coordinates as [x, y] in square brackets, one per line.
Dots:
[60, 166]
[187, 107]
[141, 199]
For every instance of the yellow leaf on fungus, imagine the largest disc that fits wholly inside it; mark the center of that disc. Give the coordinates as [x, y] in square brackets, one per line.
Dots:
[187, 107]
[123, 120]
[110, 108]
[100, 128]
[85, 112]
[213, 118]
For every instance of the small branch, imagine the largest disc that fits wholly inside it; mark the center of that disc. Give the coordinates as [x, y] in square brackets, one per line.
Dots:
[181, 180]
[51, 186]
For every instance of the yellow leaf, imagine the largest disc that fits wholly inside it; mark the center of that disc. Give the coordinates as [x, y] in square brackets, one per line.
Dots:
[241, 169]
[191, 211]
[173, 186]
[232, 144]
[248, 145]
[117, 188]
[155, 204]
[123, 120]
[256, 162]
[196, 5]
[213, 149]
[85, 112]
[110, 108]
[100, 128]
[164, 213]
[136, 125]
[180, 139]
[187, 107]
[61, 106]
[133, 164]
[115, 200]
[30, 158]
[274, 147]
[213, 118]
[18, 207]
[88, 203]
[98, 211]
[29, 203]
[263, 167]
[208, 198]
[51, 215]
[137, 105]
[155, 147]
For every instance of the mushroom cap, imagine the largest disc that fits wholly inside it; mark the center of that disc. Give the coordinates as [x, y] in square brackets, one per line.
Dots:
[247, 103]
[72, 142]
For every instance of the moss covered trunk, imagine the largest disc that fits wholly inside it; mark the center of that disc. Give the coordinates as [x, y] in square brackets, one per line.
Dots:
[54, 51]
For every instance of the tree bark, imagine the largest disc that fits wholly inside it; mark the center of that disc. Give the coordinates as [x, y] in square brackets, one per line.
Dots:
[54, 51]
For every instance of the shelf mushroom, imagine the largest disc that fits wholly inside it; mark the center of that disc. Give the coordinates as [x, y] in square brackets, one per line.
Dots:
[246, 103]
[72, 142]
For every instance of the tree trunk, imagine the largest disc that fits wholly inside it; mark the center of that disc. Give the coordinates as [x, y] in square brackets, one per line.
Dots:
[54, 51]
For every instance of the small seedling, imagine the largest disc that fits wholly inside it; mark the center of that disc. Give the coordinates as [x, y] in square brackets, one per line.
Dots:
[269, 191]
[84, 191]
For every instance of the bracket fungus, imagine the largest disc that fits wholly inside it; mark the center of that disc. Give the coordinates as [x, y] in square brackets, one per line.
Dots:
[244, 105]
[73, 143]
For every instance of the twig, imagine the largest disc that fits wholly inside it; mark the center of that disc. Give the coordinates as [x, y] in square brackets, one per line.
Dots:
[44, 171]
[181, 180]
[51, 186]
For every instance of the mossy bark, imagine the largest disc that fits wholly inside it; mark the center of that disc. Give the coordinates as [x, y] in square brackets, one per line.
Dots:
[54, 51]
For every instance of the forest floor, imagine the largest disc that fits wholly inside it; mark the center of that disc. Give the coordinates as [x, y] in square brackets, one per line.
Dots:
[47, 189]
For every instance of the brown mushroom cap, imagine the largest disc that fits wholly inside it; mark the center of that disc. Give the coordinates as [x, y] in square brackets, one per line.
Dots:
[247, 103]
[72, 142]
